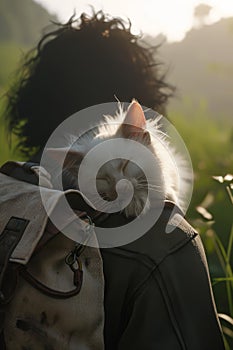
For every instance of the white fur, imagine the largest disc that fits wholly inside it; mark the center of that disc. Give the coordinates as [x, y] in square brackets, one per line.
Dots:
[166, 183]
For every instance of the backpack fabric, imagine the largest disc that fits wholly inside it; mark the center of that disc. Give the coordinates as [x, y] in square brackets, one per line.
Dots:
[153, 293]
[45, 302]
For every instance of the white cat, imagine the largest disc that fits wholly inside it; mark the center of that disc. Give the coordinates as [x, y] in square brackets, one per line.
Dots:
[163, 180]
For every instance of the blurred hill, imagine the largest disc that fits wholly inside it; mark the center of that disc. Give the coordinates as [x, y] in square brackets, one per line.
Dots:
[21, 25]
[201, 67]
[21, 21]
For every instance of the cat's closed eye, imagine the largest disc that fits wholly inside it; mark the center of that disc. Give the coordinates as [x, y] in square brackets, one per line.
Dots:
[105, 180]
[124, 166]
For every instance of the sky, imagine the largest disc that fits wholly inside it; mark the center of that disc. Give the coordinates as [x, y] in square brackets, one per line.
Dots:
[173, 18]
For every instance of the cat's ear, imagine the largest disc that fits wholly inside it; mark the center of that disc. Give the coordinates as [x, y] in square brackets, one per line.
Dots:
[64, 156]
[135, 115]
[134, 124]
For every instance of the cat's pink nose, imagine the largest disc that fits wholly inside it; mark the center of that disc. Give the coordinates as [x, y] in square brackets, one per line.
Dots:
[125, 191]
[124, 186]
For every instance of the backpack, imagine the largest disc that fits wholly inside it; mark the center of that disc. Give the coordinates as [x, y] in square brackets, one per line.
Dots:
[51, 288]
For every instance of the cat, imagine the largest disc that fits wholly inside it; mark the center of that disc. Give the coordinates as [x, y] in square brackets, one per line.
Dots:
[164, 182]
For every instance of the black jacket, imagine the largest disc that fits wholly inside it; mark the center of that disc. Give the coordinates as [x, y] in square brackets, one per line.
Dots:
[158, 293]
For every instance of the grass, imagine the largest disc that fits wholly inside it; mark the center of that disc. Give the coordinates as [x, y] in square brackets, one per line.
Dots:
[225, 258]
[6, 152]
[210, 144]
[10, 56]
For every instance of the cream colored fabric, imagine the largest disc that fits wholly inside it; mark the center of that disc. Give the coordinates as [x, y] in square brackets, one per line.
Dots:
[23, 200]
[71, 324]
[46, 322]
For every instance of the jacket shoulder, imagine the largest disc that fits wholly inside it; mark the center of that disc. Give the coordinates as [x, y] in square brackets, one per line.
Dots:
[169, 234]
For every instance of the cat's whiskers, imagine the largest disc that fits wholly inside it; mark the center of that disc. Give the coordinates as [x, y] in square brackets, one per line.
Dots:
[150, 181]
[150, 187]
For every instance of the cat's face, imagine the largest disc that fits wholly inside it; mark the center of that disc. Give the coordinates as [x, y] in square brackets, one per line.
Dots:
[111, 174]
[113, 171]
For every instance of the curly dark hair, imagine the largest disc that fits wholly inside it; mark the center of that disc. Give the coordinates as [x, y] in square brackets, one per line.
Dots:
[84, 62]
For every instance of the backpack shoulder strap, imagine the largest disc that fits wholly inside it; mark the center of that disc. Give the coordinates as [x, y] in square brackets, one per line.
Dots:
[27, 172]
[9, 239]
[11, 233]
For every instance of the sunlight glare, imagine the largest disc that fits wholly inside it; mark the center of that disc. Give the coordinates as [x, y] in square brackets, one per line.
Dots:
[173, 18]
